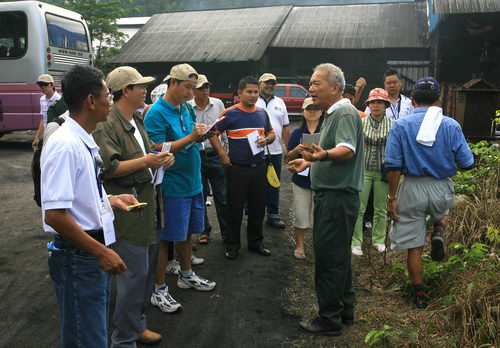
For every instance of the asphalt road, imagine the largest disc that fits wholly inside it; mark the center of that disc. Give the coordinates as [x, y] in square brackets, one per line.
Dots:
[245, 309]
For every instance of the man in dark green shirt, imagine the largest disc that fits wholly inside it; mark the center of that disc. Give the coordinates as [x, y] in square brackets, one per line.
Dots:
[336, 178]
[126, 151]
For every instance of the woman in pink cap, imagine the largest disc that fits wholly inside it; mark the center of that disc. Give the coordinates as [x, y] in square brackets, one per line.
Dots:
[375, 128]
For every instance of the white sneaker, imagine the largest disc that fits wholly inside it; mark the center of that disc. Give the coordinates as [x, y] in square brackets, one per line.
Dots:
[195, 261]
[356, 250]
[195, 282]
[164, 301]
[173, 267]
[208, 203]
[380, 247]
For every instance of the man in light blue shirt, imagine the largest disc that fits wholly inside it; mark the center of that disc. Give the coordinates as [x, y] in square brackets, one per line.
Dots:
[426, 147]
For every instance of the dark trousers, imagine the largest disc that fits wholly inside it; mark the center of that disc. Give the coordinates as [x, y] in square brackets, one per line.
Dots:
[248, 184]
[273, 193]
[335, 214]
[214, 173]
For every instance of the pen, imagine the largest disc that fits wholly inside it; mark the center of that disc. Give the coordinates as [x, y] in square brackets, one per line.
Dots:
[155, 152]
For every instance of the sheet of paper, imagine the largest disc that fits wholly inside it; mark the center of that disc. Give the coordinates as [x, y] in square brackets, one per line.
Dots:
[108, 227]
[252, 138]
[158, 177]
[305, 172]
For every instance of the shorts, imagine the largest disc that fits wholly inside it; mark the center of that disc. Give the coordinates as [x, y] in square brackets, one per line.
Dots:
[303, 207]
[419, 197]
[183, 216]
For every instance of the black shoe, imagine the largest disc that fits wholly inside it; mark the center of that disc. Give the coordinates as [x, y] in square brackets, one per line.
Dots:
[437, 246]
[276, 223]
[231, 254]
[261, 251]
[347, 322]
[420, 300]
[319, 326]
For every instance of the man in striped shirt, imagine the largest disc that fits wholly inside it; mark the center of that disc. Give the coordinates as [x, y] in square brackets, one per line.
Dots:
[246, 169]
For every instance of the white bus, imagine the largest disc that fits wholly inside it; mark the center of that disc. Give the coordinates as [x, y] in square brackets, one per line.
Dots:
[35, 38]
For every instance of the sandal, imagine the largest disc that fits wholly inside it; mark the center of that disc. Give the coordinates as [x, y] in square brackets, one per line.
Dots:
[299, 255]
[203, 239]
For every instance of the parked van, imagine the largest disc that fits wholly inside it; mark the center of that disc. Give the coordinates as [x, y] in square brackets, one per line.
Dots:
[35, 38]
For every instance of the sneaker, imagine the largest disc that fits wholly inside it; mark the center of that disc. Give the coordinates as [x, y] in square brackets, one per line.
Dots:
[173, 267]
[420, 300]
[195, 261]
[164, 301]
[195, 282]
[437, 246]
[380, 247]
[356, 250]
[208, 203]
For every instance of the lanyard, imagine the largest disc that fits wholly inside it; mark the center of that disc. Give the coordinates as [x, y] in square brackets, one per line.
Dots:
[398, 108]
[97, 173]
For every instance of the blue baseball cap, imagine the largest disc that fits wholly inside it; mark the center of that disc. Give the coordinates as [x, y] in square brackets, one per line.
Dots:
[427, 83]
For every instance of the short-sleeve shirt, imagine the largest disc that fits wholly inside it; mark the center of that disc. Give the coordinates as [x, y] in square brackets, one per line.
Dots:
[238, 123]
[278, 115]
[439, 160]
[341, 127]
[69, 178]
[165, 123]
[208, 116]
[45, 103]
[293, 142]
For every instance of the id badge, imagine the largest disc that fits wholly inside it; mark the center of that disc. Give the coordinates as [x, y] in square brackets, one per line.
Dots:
[107, 218]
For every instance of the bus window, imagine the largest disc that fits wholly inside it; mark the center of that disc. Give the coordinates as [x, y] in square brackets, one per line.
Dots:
[66, 33]
[13, 34]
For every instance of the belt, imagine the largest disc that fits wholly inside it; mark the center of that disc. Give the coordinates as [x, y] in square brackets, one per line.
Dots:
[98, 235]
[253, 165]
[209, 153]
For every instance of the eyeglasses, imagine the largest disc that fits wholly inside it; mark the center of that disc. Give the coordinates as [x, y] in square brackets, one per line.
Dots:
[108, 96]
[99, 165]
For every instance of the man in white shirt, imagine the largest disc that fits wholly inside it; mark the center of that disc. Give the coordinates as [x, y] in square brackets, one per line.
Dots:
[207, 111]
[77, 210]
[50, 95]
[400, 104]
[278, 115]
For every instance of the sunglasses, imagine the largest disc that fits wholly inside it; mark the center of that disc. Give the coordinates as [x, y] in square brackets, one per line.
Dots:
[43, 84]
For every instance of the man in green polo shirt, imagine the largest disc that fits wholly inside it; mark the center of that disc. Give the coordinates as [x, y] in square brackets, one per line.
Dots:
[126, 151]
[336, 178]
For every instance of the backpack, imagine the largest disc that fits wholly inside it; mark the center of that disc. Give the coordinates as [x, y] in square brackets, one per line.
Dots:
[36, 171]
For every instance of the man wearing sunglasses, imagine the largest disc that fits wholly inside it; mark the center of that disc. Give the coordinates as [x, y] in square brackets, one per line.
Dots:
[50, 95]
[128, 160]
[77, 210]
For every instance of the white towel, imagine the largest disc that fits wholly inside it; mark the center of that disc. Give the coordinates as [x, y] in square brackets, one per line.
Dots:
[430, 125]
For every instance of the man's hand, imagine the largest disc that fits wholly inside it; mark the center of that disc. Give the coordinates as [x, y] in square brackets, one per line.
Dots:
[298, 165]
[156, 160]
[198, 132]
[392, 210]
[360, 83]
[224, 160]
[208, 135]
[111, 262]
[170, 161]
[122, 201]
[35, 142]
[314, 153]
[261, 141]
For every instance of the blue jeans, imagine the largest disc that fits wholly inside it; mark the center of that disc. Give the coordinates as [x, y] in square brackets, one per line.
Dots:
[273, 194]
[82, 289]
[212, 171]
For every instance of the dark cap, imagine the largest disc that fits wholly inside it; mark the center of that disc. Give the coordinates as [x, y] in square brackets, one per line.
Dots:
[349, 89]
[428, 83]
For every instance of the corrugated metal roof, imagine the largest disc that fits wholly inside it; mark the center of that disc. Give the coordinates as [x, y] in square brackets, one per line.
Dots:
[205, 36]
[366, 26]
[466, 6]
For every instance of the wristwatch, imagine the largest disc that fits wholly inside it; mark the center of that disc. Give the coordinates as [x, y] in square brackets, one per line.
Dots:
[267, 139]
[391, 199]
[325, 157]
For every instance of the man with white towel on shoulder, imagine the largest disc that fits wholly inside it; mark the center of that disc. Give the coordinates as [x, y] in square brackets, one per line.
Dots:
[426, 147]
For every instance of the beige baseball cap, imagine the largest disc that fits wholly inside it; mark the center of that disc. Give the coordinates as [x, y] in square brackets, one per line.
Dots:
[267, 77]
[307, 102]
[124, 76]
[45, 78]
[182, 72]
[202, 80]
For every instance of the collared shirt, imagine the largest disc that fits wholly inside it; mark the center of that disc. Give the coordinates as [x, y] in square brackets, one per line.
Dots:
[118, 142]
[293, 142]
[45, 103]
[276, 109]
[439, 161]
[208, 116]
[400, 109]
[240, 122]
[165, 122]
[341, 128]
[375, 133]
[69, 177]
